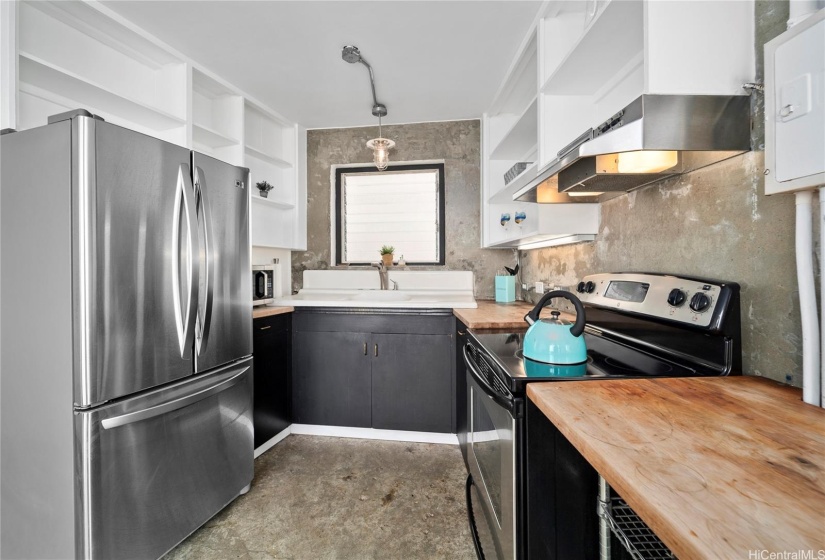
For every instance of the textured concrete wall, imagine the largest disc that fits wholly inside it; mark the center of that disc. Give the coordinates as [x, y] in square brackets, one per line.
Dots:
[716, 223]
[457, 143]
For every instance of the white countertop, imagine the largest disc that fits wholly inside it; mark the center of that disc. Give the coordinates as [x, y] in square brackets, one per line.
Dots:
[416, 299]
[360, 288]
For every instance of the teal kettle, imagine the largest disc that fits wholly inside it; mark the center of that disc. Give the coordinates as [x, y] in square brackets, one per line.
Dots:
[554, 340]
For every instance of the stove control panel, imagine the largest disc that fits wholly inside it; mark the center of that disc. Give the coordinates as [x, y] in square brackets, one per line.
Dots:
[667, 297]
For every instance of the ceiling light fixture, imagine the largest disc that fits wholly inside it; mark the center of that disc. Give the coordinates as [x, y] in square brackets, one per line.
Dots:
[380, 146]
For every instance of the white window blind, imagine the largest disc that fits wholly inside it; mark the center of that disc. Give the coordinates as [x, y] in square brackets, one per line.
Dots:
[397, 208]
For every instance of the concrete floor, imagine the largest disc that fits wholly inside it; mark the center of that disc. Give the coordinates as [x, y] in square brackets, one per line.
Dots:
[333, 498]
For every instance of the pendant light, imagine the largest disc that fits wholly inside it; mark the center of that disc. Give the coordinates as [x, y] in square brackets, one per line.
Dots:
[380, 149]
[380, 146]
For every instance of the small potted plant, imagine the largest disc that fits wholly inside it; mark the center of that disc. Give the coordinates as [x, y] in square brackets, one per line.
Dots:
[386, 254]
[264, 188]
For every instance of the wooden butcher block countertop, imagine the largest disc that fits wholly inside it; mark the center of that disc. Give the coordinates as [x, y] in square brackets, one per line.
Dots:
[492, 315]
[265, 311]
[717, 467]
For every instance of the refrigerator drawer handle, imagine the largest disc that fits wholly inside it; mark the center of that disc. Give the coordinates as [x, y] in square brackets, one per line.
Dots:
[170, 406]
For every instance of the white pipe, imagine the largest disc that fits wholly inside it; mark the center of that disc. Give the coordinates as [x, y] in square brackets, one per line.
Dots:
[801, 9]
[807, 299]
[822, 289]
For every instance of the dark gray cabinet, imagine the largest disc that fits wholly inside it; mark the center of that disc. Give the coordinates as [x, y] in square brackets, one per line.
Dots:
[332, 385]
[391, 370]
[271, 341]
[411, 382]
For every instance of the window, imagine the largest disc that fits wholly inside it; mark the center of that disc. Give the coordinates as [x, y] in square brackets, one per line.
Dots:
[402, 206]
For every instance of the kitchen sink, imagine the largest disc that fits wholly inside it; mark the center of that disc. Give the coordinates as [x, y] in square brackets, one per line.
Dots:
[381, 295]
[326, 297]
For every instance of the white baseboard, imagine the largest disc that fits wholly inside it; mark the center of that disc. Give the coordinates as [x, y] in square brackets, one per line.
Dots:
[370, 433]
[271, 443]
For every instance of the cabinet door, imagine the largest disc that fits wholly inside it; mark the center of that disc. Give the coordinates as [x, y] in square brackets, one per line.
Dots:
[412, 382]
[331, 379]
[273, 364]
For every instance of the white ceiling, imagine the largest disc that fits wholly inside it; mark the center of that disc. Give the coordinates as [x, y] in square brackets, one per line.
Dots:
[433, 60]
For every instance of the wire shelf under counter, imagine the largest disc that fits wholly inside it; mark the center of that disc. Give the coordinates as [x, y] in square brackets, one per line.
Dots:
[631, 531]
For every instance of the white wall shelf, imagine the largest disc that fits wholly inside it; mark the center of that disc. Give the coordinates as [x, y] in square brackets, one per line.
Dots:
[264, 156]
[520, 139]
[212, 138]
[552, 224]
[505, 195]
[217, 118]
[272, 202]
[48, 77]
[81, 55]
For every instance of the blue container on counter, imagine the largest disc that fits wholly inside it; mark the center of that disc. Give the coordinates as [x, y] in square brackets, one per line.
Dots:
[505, 289]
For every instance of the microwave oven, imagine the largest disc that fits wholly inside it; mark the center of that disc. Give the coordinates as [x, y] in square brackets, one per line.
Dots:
[263, 284]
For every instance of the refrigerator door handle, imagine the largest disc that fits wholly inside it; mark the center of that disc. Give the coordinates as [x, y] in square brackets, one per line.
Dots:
[205, 213]
[185, 200]
[173, 405]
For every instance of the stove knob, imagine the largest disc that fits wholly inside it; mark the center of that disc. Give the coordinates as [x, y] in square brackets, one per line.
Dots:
[580, 287]
[589, 287]
[699, 302]
[676, 297]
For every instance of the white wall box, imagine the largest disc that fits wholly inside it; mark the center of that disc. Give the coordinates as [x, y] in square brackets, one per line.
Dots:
[795, 107]
[58, 56]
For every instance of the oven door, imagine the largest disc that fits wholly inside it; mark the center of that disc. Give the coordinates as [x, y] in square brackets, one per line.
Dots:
[492, 426]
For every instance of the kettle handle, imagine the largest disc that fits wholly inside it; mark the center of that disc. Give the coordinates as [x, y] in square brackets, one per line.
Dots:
[578, 327]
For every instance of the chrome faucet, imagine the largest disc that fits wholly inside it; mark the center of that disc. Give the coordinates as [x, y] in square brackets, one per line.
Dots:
[383, 274]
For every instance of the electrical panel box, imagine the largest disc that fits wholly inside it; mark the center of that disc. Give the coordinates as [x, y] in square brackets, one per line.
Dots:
[795, 107]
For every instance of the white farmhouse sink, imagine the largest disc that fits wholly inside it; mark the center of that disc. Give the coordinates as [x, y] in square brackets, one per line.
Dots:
[381, 295]
[326, 296]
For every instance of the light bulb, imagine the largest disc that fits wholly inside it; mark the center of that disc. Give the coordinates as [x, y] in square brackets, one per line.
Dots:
[382, 158]
[645, 161]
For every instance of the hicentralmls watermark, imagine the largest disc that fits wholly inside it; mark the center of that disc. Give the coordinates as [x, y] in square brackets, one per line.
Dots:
[786, 555]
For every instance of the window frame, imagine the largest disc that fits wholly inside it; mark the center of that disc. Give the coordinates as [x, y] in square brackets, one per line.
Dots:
[339, 224]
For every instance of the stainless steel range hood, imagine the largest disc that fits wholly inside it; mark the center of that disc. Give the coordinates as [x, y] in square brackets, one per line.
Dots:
[655, 137]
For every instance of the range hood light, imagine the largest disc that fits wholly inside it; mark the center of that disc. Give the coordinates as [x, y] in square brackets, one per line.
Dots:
[585, 193]
[647, 161]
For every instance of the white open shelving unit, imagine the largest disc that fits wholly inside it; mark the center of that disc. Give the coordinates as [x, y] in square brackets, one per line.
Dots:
[511, 135]
[71, 55]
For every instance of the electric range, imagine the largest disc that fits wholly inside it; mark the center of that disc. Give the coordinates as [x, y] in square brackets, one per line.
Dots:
[639, 325]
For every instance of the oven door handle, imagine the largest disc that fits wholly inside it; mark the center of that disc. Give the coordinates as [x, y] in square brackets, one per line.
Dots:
[506, 401]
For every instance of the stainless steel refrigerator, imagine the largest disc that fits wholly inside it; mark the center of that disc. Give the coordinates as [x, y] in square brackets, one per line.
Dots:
[126, 341]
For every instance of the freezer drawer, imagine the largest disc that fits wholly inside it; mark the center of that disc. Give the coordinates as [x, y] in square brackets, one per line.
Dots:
[154, 468]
